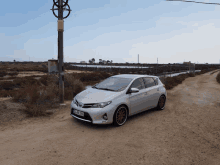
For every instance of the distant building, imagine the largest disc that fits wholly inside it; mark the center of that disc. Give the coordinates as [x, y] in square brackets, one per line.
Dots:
[82, 62]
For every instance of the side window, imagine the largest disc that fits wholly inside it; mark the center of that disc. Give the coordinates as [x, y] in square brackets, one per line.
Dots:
[149, 82]
[138, 83]
[156, 81]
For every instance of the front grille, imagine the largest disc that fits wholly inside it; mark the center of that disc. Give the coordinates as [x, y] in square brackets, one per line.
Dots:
[86, 115]
[88, 105]
[84, 105]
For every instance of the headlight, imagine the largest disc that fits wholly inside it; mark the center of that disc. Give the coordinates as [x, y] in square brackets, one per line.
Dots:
[101, 105]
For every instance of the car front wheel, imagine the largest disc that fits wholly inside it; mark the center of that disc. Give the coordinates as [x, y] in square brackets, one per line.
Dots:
[120, 116]
[161, 103]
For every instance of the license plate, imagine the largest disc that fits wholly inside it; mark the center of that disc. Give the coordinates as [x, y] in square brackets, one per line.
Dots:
[78, 113]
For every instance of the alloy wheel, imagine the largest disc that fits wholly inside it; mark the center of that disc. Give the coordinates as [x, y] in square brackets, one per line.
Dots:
[121, 116]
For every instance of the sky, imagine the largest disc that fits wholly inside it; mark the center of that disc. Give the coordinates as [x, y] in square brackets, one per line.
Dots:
[118, 30]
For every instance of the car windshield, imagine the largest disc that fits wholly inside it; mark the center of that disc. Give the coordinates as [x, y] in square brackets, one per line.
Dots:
[113, 84]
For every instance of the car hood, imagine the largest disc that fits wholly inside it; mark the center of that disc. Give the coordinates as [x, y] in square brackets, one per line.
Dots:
[92, 95]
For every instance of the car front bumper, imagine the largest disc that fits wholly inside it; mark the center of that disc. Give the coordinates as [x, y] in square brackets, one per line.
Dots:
[94, 115]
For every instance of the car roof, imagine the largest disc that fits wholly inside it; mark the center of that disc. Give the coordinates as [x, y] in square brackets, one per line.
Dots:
[133, 76]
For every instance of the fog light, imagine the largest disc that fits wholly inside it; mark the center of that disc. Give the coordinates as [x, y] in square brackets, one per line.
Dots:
[105, 117]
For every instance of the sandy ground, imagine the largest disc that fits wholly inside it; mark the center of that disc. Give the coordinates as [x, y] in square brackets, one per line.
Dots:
[187, 132]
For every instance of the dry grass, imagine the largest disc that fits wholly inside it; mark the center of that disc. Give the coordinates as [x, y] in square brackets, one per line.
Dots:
[24, 67]
[214, 72]
[43, 94]
[171, 82]
[37, 99]
[3, 73]
[39, 95]
[218, 78]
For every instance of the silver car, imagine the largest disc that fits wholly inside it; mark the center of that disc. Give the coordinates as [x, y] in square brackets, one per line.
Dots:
[117, 97]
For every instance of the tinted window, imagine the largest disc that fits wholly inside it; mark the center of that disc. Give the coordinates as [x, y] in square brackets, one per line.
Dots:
[138, 83]
[149, 82]
[156, 81]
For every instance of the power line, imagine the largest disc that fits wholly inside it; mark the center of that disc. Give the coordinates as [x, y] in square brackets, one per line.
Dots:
[196, 2]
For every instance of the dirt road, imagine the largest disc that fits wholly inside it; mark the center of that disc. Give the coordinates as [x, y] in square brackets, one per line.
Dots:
[186, 132]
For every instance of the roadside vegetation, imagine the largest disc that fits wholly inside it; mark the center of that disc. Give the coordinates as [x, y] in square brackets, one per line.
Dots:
[214, 72]
[40, 95]
[171, 82]
[218, 78]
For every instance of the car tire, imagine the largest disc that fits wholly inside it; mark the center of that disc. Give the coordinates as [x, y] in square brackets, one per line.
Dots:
[161, 103]
[120, 116]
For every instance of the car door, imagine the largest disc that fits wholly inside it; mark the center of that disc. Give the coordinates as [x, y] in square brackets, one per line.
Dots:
[151, 90]
[137, 99]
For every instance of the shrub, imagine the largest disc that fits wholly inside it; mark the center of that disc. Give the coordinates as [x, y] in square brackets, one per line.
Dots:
[191, 75]
[34, 110]
[6, 93]
[24, 81]
[214, 71]
[3, 73]
[95, 76]
[7, 85]
[13, 73]
[218, 78]
[72, 83]
[37, 99]
[89, 77]
[44, 80]
[171, 82]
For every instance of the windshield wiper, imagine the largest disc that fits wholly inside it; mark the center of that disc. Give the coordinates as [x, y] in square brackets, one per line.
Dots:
[95, 87]
[106, 89]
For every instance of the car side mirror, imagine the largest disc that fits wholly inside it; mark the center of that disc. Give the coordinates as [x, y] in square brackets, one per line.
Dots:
[134, 90]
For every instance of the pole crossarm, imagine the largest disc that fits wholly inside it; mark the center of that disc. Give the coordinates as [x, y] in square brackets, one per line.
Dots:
[63, 9]
[57, 3]
[196, 2]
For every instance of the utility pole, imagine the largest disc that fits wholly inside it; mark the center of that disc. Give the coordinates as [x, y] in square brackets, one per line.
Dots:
[60, 4]
[170, 70]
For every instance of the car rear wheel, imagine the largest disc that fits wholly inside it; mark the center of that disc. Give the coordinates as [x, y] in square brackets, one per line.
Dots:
[161, 102]
[120, 116]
